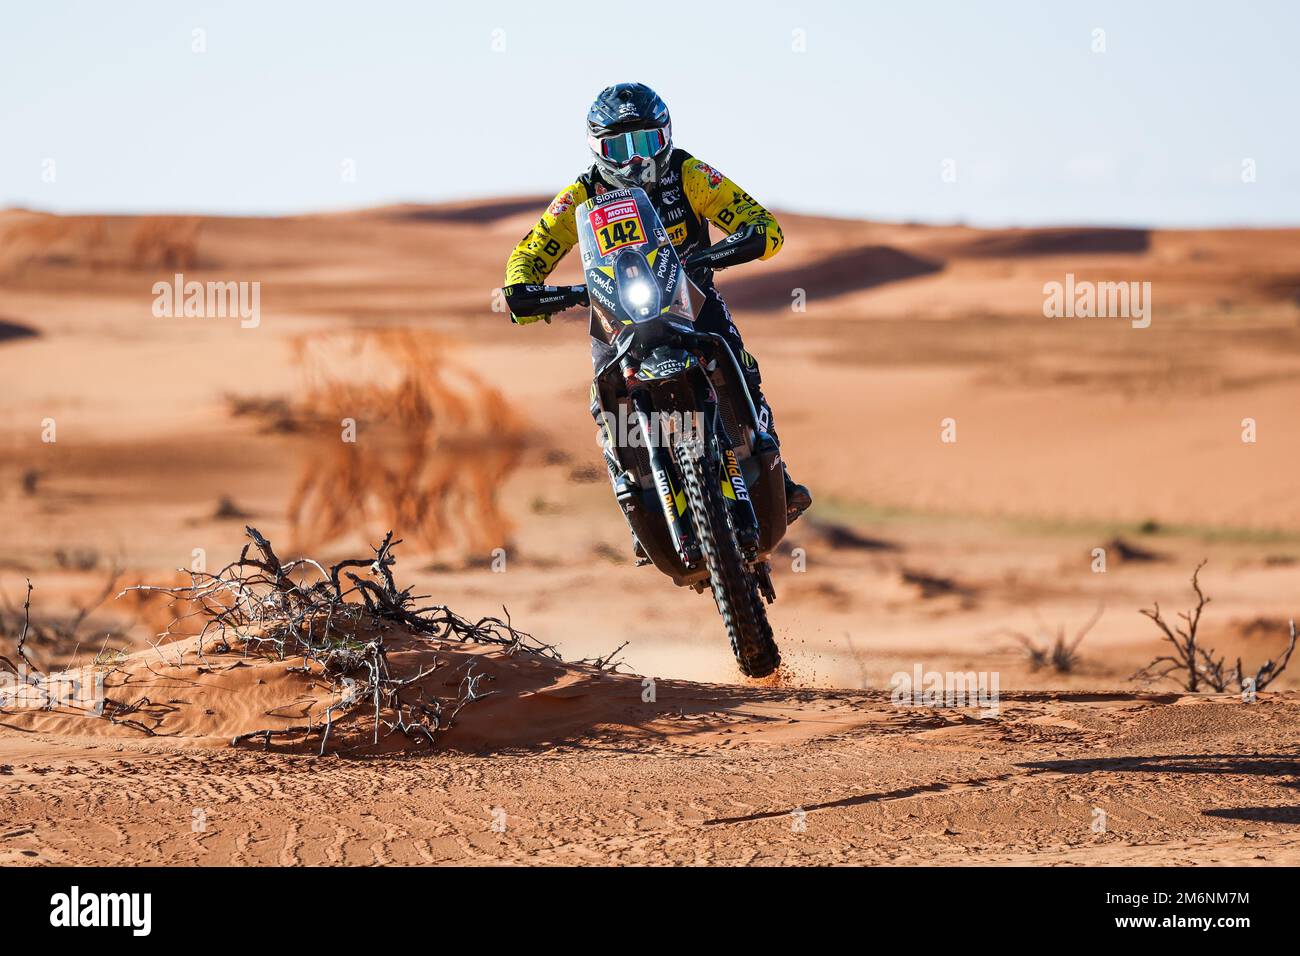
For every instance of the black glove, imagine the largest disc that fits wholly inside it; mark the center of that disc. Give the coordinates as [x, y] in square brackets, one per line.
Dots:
[529, 303]
[745, 244]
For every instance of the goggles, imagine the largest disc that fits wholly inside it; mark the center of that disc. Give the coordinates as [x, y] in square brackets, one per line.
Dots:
[646, 143]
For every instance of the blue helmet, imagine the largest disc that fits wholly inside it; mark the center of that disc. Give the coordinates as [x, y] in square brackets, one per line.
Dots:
[630, 134]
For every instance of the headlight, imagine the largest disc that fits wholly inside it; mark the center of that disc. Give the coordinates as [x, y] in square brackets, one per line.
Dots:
[638, 293]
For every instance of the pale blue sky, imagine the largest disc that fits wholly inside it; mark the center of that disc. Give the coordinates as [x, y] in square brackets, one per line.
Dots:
[1041, 129]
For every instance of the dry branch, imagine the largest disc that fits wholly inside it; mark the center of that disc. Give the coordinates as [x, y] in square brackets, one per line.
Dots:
[49, 631]
[1192, 665]
[1060, 652]
[335, 618]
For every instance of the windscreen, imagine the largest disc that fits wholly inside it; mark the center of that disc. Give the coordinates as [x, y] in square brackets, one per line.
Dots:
[633, 273]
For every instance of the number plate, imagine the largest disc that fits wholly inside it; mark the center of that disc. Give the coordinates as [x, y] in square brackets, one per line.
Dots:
[617, 225]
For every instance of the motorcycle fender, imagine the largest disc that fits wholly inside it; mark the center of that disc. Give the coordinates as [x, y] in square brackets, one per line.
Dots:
[648, 524]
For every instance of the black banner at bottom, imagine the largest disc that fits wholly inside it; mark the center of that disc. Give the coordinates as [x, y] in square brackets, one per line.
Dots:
[215, 906]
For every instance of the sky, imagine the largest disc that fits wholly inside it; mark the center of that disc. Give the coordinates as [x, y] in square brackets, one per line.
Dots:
[996, 113]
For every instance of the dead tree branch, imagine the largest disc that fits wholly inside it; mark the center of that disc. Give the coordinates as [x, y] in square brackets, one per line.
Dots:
[1194, 666]
[335, 618]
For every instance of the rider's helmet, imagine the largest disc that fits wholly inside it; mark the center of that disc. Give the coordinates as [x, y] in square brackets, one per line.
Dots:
[630, 135]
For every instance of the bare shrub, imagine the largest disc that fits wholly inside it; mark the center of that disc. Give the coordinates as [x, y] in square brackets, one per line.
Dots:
[337, 619]
[1194, 667]
[1056, 650]
[53, 633]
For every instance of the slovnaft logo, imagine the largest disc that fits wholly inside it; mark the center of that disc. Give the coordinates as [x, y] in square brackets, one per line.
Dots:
[77, 909]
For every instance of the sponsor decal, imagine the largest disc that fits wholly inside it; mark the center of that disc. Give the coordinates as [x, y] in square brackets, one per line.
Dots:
[617, 224]
[715, 177]
[671, 196]
[664, 369]
[562, 204]
[609, 304]
[737, 479]
[665, 489]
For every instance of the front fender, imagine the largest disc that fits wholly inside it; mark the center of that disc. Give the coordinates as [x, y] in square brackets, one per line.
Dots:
[665, 362]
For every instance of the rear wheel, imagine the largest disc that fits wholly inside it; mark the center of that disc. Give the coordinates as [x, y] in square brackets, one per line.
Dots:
[734, 587]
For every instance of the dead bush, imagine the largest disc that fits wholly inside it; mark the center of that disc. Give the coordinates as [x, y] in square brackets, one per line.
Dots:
[1055, 650]
[1194, 667]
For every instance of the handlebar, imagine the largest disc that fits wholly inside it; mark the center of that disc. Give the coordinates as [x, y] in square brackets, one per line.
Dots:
[544, 299]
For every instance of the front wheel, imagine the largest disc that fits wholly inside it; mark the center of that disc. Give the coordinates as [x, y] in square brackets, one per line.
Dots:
[734, 588]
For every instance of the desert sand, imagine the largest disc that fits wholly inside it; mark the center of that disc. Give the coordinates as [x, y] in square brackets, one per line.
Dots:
[475, 446]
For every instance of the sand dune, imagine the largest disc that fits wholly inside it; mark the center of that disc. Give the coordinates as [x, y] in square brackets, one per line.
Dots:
[565, 764]
[847, 271]
[1072, 435]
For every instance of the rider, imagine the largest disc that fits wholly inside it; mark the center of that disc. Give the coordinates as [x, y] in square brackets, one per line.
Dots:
[630, 136]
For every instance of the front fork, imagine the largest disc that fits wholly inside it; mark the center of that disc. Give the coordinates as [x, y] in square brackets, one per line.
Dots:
[671, 495]
[672, 498]
[743, 517]
[732, 479]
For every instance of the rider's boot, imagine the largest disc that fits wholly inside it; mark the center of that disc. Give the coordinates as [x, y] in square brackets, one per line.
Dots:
[798, 498]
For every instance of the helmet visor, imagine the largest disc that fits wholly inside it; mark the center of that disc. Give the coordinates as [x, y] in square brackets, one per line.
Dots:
[646, 143]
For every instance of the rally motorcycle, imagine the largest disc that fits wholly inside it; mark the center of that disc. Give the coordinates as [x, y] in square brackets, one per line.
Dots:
[699, 481]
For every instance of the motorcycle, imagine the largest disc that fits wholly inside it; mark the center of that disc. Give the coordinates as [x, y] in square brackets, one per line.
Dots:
[698, 480]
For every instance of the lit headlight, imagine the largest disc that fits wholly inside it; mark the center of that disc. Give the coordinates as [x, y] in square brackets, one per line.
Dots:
[638, 293]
